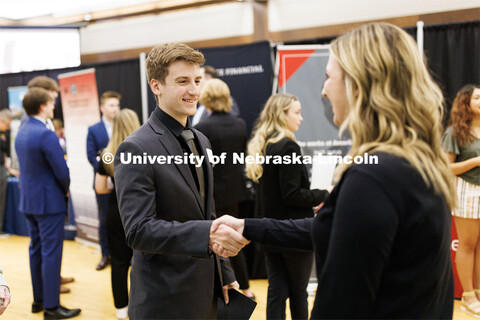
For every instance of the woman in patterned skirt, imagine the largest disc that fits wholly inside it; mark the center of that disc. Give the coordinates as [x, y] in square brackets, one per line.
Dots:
[461, 141]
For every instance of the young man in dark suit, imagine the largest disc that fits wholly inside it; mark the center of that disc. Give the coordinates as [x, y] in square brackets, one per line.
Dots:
[98, 136]
[166, 208]
[43, 191]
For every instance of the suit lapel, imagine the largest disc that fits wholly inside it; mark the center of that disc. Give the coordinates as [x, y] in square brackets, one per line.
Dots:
[172, 146]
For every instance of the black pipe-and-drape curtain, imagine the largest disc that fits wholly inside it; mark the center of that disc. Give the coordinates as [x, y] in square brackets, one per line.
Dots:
[453, 56]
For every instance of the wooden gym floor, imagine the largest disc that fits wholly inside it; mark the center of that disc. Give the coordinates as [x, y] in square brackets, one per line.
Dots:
[91, 290]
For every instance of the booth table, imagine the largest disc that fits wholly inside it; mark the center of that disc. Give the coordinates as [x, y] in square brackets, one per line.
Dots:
[15, 221]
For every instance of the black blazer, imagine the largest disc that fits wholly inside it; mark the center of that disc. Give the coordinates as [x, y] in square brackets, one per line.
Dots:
[381, 241]
[227, 133]
[284, 190]
[173, 272]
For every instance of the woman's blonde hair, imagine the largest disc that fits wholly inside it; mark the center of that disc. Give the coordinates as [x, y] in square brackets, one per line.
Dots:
[271, 127]
[215, 96]
[394, 105]
[125, 122]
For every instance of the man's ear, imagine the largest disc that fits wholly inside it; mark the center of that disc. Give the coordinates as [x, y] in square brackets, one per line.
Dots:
[155, 85]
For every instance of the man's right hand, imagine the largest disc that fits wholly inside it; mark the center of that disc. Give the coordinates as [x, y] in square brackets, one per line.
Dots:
[226, 241]
[223, 224]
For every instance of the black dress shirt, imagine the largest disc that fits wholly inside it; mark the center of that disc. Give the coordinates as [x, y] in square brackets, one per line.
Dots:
[176, 129]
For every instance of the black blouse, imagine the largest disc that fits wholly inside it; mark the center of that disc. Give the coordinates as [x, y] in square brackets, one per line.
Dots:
[382, 245]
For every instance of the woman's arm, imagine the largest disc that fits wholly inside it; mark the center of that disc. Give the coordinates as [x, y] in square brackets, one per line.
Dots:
[295, 234]
[290, 175]
[12, 171]
[101, 184]
[463, 166]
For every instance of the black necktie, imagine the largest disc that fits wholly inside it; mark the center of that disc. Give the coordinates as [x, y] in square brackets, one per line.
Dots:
[187, 135]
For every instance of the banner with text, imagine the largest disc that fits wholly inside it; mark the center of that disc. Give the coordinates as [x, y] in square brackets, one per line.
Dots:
[79, 95]
[301, 72]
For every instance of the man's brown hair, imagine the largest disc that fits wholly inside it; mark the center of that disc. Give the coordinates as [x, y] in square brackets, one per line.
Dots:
[34, 98]
[161, 56]
[211, 71]
[109, 94]
[43, 82]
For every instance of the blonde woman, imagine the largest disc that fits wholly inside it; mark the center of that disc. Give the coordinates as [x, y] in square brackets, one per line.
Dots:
[382, 238]
[227, 134]
[283, 193]
[461, 142]
[124, 123]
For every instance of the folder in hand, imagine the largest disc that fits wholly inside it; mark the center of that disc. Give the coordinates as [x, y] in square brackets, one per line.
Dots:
[239, 306]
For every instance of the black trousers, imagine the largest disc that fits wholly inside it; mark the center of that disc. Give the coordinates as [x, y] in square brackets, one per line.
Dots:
[104, 204]
[121, 255]
[239, 262]
[288, 275]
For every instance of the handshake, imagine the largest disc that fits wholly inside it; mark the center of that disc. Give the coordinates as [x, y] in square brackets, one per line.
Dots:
[226, 238]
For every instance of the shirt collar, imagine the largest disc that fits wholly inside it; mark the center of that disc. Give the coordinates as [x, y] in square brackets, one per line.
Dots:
[107, 123]
[40, 119]
[173, 125]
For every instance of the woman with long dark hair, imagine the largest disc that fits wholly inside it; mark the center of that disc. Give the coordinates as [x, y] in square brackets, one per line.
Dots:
[461, 141]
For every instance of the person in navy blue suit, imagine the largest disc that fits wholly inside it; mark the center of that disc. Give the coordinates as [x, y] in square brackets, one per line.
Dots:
[53, 89]
[98, 136]
[43, 192]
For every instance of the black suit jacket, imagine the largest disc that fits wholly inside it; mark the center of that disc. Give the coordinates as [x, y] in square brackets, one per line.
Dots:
[173, 272]
[227, 133]
[284, 190]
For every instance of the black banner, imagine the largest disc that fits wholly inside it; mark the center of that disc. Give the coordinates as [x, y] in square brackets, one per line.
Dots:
[248, 71]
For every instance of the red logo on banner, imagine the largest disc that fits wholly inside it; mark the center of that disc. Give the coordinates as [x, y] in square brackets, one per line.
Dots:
[290, 61]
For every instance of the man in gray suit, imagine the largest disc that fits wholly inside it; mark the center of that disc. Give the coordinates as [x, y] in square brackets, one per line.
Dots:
[165, 196]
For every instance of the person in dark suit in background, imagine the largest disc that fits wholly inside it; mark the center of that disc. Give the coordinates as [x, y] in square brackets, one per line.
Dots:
[98, 136]
[166, 208]
[283, 193]
[43, 191]
[227, 135]
[209, 73]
